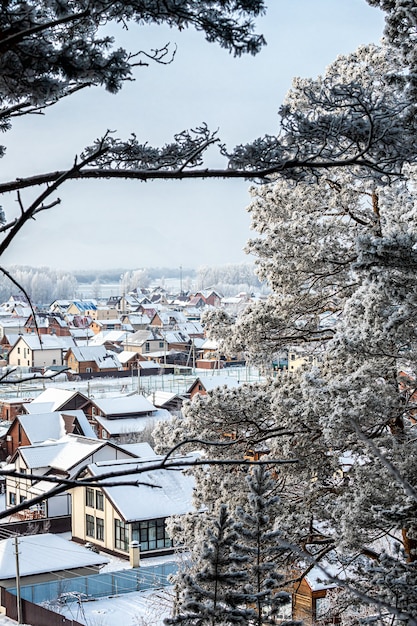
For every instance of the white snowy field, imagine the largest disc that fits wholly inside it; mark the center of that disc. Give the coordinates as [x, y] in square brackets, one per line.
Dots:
[141, 608]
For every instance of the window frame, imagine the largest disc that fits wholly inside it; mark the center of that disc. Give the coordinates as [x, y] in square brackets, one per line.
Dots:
[89, 497]
[151, 535]
[90, 526]
[99, 500]
[99, 529]
[121, 535]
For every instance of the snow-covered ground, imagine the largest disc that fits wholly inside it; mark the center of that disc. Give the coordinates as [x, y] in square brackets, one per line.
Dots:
[141, 608]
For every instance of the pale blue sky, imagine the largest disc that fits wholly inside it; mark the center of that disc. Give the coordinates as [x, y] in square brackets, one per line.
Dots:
[106, 224]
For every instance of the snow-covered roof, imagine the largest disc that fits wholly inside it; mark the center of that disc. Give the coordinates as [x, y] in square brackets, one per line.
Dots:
[142, 450]
[213, 382]
[176, 336]
[49, 342]
[42, 426]
[169, 317]
[44, 553]
[126, 355]
[104, 359]
[160, 492]
[128, 425]
[111, 336]
[62, 454]
[331, 565]
[143, 365]
[191, 328]
[210, 344]
[137, 318]
[124, 405]
[159, 398]
[52, 397]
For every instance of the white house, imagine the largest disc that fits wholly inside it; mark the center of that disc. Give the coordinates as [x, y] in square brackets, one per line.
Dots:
[135, 510]
[30, 350]
[62, 458]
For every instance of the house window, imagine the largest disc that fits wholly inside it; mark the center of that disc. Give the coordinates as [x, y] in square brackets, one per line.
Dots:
[22, 499]
[89, 497]
[151, 534]
[147, 346]
[161, 344]
[322, 607]
[99, 501]
[89, 526]
[12, 498]
[18, 350]
[88, 370]
[121, 535]
[53, 361]
[100, 529]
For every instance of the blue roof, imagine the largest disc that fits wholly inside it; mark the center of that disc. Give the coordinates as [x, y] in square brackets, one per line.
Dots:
[85, 305]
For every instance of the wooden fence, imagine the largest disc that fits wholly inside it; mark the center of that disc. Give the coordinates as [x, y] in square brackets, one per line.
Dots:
[33, 613]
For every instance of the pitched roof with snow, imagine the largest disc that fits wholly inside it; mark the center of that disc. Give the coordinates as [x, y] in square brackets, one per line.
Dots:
[48, 342]
[159, 493]
[52, 425]
[62, 454]
[52, 397]
[213, 382]
[104, 359]
[129, 425]
[124, 405]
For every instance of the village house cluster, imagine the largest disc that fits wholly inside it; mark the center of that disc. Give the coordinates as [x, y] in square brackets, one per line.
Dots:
[63, 434]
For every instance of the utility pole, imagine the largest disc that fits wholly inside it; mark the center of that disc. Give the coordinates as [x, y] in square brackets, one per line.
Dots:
[18, 596]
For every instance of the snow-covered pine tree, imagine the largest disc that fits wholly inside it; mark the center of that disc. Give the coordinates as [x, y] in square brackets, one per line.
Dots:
[210, 590]
[260, 542]
[340, 255]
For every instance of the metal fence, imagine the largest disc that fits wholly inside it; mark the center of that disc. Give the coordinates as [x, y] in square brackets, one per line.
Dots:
[98, 585]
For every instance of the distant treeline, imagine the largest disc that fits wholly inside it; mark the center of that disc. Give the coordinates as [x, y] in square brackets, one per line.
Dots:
[113, 276]
[43, 285]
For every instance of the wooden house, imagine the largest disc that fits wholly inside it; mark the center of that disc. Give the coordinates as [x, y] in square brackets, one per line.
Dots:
[10, 408]
[125, 416]
[105, 325]
[203, 384]
[92, 360]
[29, 429]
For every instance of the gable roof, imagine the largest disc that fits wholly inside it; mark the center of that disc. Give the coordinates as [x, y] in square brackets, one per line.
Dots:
[85, 305]
[213, 382]
[124, 406]
[128, 425]
[159, 493]
[47, 342]
[62, 455]
[53, 425]
[104, 359]
[52, 399]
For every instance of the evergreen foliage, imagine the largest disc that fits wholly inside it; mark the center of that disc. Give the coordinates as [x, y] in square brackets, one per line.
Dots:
[260, 543]
[212, 593]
